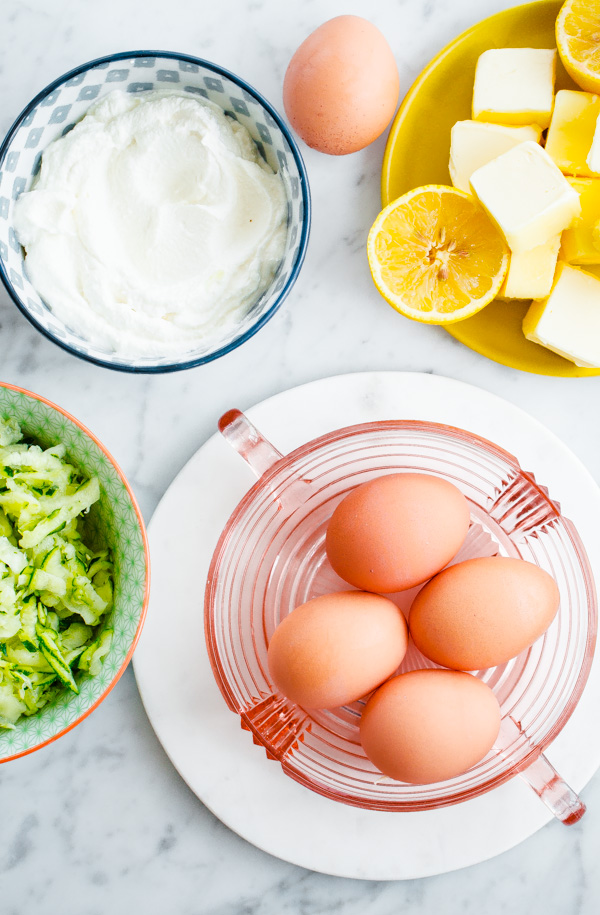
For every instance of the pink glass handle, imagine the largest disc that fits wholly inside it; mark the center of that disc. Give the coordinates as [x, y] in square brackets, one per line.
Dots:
[245, 438]
[541, 775]
[559, 797]
[260, 455]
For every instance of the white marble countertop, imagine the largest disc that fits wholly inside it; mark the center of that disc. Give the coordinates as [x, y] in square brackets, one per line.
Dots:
[100, 822]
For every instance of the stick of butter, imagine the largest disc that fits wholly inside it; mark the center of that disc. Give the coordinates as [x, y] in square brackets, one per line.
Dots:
[593, 157]
[581, 242]
[527, 196]
[514, 86]
[572, 130]
[568, 320]
[531, 273]
[475, 143]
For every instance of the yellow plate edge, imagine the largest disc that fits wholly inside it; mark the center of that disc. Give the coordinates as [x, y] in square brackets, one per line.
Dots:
[460, 331]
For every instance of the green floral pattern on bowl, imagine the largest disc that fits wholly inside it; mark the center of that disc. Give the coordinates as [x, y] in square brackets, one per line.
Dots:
[114, 521]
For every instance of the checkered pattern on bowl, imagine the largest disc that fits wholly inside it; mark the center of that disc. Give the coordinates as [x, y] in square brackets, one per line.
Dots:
[55, 111]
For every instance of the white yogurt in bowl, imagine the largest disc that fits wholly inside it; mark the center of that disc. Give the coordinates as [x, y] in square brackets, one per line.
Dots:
[154, 225]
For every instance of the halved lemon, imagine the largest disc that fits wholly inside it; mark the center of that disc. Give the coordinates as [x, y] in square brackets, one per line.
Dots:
[578, 42]
[436, 256]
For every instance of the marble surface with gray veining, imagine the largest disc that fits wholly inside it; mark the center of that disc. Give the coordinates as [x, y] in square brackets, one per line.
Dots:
[99, 822]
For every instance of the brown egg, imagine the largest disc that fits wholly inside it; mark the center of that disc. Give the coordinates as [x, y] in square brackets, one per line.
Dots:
[341, 86]
[396, 531]
[429, 725]
[336, 648]
[482, 612]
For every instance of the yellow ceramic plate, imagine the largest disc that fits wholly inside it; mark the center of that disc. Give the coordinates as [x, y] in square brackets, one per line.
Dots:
[417, 153]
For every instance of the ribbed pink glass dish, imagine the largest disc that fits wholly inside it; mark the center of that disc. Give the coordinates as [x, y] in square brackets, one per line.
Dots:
[271, 558]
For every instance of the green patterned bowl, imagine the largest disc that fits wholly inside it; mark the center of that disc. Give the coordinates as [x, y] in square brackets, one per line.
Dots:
[115, 521]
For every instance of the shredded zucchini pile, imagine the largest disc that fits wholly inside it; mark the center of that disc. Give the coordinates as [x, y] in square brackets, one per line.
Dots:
[55, 593]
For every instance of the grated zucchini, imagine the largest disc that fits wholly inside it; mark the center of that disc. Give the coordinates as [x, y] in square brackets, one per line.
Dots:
[55, 593]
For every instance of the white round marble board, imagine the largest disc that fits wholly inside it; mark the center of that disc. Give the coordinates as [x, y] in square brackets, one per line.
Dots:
[204, 740]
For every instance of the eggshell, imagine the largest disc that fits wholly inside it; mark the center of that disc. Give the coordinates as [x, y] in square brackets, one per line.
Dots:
[482, 612]
[336, 648]
[341, 86]
[396, 531]
[429, 725]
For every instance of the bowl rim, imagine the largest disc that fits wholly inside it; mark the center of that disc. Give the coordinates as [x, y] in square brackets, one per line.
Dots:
[146, 597]
[304, 235]
[283, 465]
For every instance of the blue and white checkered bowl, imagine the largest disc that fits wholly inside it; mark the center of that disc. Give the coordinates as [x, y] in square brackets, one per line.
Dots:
[64, 102]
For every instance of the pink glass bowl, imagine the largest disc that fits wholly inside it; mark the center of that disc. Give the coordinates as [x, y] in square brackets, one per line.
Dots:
[271, 557]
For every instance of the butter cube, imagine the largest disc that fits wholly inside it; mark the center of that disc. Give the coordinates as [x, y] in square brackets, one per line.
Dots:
[531, 273]
[568, 320]
[526, 195]
[572, 130]
[593, 157]
[474, 143]
[514, 86]
[593, 269]
[581, 242]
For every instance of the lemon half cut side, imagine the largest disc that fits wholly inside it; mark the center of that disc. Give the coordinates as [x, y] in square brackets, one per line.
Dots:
[436, 256]
[578, 42]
